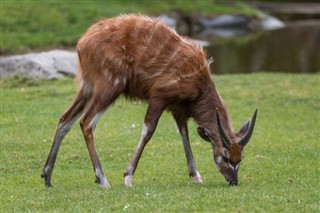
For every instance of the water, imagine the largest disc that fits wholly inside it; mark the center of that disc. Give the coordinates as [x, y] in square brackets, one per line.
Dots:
[294, 49]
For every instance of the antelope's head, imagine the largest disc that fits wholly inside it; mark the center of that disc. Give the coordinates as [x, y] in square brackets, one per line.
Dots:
[228, 152]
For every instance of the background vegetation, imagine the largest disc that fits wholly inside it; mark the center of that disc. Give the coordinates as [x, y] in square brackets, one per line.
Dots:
[280, 171]
[30, 25]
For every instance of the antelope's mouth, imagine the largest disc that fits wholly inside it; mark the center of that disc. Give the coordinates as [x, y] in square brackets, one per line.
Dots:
[232, 183]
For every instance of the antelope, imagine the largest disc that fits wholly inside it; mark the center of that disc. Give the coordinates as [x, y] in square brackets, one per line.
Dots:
[143, 59]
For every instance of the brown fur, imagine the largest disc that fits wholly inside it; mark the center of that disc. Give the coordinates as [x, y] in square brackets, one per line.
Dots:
[235, 153]
[150, 60]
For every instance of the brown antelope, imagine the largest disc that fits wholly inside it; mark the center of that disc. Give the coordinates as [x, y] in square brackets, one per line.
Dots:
[143, 59]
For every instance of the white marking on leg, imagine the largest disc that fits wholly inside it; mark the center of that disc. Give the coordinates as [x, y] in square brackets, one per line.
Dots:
[144, 132]
[128, 180]
[197, 178]
[86, 88]
[65, 127]
[191, 165]
[103, 181]
[95, 120]
[128, 177]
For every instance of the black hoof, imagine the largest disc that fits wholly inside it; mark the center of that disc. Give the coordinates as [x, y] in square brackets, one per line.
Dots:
[48, 185]
[47, 181]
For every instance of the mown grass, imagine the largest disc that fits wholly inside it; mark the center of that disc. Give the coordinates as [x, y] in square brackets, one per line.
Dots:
[280, 172]
[33, 25]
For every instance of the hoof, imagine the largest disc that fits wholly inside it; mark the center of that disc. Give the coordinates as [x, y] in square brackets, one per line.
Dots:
[102, 182]
[128, 181]
[197, 178]
[47, 180]
[48, 185]
[105, 185]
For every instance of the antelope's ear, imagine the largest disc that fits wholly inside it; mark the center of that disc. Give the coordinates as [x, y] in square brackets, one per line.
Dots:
[202, 133]
[207, 135]
[243, 129]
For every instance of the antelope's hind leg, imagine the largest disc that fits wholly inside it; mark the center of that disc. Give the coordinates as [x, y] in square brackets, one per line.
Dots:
[65, 123]
[103, 95]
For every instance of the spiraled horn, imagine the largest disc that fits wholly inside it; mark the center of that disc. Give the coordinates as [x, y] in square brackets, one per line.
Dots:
[225, 140]
[245, 139]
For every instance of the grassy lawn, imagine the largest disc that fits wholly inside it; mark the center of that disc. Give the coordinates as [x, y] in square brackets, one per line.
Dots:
[280, 172]
[33, 25]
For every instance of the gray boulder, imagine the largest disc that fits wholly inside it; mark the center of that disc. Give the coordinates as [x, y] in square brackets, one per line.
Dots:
[225, 21]
[45, 65]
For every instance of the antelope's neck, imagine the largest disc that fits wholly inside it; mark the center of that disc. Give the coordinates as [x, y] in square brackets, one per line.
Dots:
[204, 112]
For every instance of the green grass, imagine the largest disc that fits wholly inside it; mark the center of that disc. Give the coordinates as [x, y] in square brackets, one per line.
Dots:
[280, 172]
[33, 25]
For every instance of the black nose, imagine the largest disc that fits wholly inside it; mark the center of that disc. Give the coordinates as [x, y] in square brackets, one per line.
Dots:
[233, 183]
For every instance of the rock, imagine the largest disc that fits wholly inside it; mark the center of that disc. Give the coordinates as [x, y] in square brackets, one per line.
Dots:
[271, 23]
[221, 26]
[223, 32]
[224, 26]
[45, 65]
[181, 23]
[225, 21]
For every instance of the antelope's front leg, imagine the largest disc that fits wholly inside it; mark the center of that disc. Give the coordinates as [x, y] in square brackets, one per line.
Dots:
[154, 112]
[134, 162]
[183, 129]
[193, 172]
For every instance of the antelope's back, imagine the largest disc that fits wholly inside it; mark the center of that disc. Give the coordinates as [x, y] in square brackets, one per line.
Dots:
[139, 50]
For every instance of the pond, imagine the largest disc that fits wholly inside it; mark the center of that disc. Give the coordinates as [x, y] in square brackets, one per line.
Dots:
[294, 48]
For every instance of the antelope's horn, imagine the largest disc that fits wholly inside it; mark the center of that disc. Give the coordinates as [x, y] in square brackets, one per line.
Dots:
[225, 140]
[245, 139]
